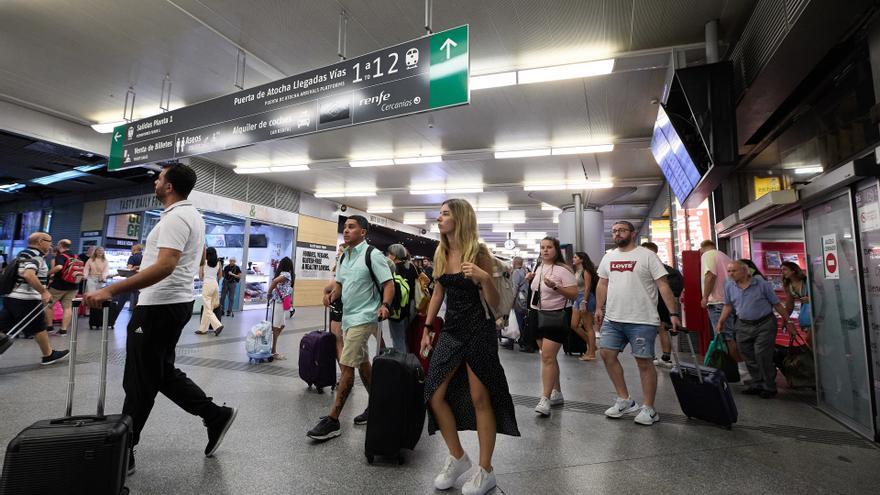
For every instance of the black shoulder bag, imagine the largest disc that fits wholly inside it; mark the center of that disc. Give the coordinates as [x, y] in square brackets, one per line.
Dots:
[551, 318]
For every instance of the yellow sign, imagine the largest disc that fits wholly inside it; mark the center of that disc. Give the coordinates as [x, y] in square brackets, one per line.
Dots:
[764, 185]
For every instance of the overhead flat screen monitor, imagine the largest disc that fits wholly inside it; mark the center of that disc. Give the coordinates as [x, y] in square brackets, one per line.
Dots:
[215, 240]
[258, 241]
[671, 155]
[234, 240]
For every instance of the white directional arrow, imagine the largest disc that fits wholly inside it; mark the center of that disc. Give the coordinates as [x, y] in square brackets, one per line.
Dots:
[448, 45]
[116, 137]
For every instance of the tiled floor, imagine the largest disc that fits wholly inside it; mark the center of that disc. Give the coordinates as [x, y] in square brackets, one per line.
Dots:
[779, 446]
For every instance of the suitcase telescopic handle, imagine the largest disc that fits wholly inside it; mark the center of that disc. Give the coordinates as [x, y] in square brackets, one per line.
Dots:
[693, 354]
[71, 370]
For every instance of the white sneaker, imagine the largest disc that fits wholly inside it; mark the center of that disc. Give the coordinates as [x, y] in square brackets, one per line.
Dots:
[452, 469]
[556, 398]
[621, 407]
[647, 416]
[662, 364]
[480, 483]
[543, 407]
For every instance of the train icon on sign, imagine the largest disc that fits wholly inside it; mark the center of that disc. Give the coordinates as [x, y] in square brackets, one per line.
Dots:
[412, 58]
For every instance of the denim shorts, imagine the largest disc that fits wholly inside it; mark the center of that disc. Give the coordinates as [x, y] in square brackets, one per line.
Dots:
[729, 330]
[590, 307]
[640, 338]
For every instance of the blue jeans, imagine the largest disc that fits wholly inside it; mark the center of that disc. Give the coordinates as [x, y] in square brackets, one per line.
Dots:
[640, 338]
[728, 332]
[398, 333]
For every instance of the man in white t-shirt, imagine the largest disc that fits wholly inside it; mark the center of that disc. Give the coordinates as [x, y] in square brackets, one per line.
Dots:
[174, 251]
[626, 299]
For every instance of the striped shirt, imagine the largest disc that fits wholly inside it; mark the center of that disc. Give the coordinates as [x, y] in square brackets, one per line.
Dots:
[29, 259]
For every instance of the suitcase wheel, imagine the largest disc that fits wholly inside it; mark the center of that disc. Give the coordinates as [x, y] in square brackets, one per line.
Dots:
[370, 458]
[400, 460]
[320, 390]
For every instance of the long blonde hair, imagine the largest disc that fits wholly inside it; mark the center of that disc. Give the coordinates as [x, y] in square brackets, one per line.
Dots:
[465, 234]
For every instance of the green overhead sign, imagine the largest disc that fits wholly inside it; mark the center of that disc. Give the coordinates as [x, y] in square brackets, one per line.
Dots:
[420, 75]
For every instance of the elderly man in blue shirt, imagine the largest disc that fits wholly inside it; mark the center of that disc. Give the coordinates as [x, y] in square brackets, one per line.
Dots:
[754, 301]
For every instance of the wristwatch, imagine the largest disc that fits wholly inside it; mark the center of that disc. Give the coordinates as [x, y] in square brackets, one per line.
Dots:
[675, 314]
[387, 305]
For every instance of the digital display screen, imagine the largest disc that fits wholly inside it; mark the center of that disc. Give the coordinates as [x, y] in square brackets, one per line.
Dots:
[673, 158]
[234, 240]
[215, 240]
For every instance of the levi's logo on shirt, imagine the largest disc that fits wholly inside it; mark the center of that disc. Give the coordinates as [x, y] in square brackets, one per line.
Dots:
[623, 266]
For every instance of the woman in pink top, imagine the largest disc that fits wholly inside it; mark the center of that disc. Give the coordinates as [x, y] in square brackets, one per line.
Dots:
[553, 286]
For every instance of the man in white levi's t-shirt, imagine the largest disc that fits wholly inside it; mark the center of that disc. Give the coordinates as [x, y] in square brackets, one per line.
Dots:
[175, 249]
[630, 278]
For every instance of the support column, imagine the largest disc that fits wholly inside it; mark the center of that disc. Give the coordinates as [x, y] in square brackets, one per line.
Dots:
[592, 226]
[578, 222]
[712, 41]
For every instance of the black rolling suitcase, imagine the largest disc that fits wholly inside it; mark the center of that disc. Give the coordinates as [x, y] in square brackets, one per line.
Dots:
[397, 405]
[702, 392]
[72, 454]
[6, 339]
[574, 344]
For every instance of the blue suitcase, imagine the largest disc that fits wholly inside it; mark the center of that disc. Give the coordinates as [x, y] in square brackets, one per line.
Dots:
[702, 392]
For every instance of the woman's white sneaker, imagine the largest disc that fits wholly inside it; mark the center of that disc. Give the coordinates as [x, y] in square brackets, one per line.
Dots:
[647, 416]
[481, 482]
[452, 469]
[543, 407]
[556, 398]
[621, 407]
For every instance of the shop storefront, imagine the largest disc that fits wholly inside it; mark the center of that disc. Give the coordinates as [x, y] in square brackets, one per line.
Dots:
[257, 237]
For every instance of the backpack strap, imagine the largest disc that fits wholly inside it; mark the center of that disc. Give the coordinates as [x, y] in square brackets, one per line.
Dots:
[369, 262]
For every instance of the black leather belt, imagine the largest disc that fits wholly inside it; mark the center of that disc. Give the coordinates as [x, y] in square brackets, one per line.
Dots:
[758, 321]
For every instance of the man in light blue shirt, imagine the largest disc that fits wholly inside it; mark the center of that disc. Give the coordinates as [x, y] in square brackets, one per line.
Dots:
[360, 274]
[754, 301]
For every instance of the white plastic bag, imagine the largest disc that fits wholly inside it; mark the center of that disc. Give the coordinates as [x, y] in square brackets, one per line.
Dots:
[512, 329]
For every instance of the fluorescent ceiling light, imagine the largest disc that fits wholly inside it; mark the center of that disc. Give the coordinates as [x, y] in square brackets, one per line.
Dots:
[107, 127]
[501, 228]
[490, 245]
[289, 168]
[329, 194]
[492, 80]
[416, 159]
[77, 172]
[380, 210]
[809, 170]
[548, 207]
[499, 155]
[545, 187]
[414, 218]
[580, 150]
[592, 184]
[360, 194]
[8, 188]
[425, 190]
[463, 190]
[371, 163]
[492, 208]
[569, 71]
[252, 170]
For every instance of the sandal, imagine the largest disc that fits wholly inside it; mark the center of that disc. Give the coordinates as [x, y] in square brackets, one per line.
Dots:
[279, 357]
[588, 357]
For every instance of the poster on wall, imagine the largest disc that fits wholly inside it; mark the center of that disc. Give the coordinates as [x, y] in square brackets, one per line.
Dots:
[829, 257]
[314, 261]
[868, 210]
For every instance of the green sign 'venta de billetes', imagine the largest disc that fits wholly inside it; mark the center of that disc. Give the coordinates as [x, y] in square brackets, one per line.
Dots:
[420, 75]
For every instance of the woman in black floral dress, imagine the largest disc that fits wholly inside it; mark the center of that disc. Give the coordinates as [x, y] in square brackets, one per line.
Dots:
[466, 388]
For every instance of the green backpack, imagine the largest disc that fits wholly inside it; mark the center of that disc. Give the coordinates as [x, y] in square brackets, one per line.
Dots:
[400, 303]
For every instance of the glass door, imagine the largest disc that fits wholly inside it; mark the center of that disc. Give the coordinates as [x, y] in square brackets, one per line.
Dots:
[842, 384]
[868, 220]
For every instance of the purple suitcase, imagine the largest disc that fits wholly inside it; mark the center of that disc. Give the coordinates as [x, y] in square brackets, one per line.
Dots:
[317, 358]
[702, 392]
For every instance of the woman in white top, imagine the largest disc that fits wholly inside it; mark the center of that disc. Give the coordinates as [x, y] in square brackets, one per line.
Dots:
[210, 273]
[553, 287]
[280, 288]
[96, 270]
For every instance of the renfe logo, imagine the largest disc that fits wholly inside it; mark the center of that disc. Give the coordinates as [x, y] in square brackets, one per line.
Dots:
[623, 266]
[376, 100]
